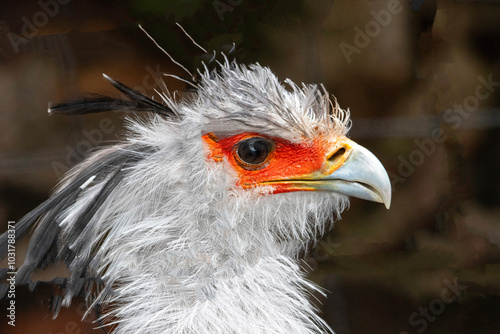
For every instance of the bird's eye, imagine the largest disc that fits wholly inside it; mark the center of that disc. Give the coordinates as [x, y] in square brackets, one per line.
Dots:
[253, 153]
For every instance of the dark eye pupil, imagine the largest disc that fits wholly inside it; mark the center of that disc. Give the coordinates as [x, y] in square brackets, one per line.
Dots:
[254, 151]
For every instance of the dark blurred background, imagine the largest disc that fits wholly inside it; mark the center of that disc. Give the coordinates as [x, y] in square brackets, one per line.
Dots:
[422, 81]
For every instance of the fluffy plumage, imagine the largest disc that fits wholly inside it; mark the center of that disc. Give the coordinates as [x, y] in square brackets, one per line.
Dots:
[174, 241]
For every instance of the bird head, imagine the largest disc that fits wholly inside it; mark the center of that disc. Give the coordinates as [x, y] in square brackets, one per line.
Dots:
[281, 137]
[286, 140]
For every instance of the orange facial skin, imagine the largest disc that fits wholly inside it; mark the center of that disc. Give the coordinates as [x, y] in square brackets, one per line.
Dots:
[289, 167]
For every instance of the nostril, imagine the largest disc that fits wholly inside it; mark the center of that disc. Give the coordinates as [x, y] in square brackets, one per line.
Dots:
[335, 156]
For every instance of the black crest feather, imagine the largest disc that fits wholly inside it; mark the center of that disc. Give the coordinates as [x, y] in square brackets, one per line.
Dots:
[95, 103]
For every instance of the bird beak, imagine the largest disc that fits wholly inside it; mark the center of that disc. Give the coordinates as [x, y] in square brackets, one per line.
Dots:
[348, 169]
[361, 175]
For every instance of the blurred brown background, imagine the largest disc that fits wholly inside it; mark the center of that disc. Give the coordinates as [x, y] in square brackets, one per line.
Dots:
[422, 81]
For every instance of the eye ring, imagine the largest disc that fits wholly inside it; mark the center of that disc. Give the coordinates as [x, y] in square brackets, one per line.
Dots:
[253, 153]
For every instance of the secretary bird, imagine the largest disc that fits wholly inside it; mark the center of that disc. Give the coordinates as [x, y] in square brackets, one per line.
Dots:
[196, 222]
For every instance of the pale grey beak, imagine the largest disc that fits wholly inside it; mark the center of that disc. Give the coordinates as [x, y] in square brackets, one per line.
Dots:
[362, 176]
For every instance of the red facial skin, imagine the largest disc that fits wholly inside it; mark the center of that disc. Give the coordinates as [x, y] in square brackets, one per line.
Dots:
[307, 160]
